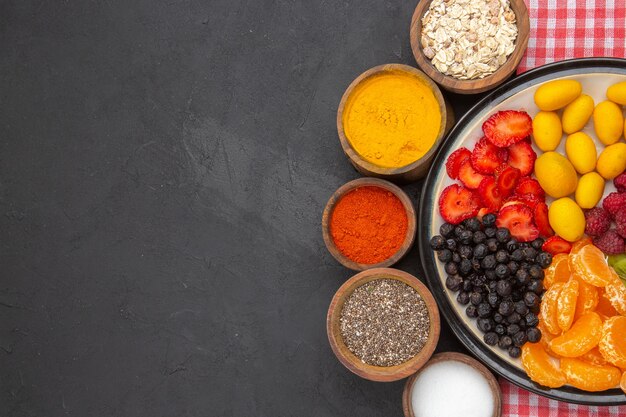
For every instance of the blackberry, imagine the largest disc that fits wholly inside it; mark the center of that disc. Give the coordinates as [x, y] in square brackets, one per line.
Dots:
[503, 234]
[471, 311]
[485, 324]
[490, 232]
[491, 338]
[519, 338]
[463, 297]
[537, 243]
[504, 288]
[502, 271]
[544, 259]
[451, 268]
[533, 335]
[505, 342]
[465, 251]
[488, 262]
[480, 251]
[489, 219]
[465, 267]
[446, 230]
[437, 242]
[492, 244]
[483, 310]
[472, 224]
[502, 256]
[536, 272]
[479, 237]
[515, 352]
[444, 255]
[476, 298]
[453, 282]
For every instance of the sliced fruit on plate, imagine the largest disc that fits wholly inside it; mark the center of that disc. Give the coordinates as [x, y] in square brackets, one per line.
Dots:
[486, 157]
[541, 219]
[469, 176]
[527, 185]
[518, 218]
[507, 180]
[530, 200]
[522, 157]
[507, 127]
[589, 377]
[556, 245]
[457, 203]
[490, 194]
[455, 160]
[539, 366]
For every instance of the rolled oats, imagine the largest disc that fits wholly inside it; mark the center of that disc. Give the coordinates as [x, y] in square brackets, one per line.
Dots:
[468, 39]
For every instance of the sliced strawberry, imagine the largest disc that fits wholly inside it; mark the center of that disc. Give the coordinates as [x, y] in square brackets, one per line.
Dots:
[486, 157]
[518, 218]
[507, 127]
[468, 175]
[522, 157]
[507, 180]
[556, 245]
[490, 194]
[527, 185]
[455, 160]
[530, 200]
[484, 211]
[457, 203]
[511, 202]
[541, 220]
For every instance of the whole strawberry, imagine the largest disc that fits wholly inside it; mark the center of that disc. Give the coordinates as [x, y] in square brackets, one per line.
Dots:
[610, 243]
[620, 221]
[613, 202]
[598, 221]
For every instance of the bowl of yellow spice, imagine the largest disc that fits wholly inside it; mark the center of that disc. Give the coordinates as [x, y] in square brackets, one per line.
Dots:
[390, 121]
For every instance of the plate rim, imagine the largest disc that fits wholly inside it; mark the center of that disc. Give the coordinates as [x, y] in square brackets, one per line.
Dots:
[426, 211]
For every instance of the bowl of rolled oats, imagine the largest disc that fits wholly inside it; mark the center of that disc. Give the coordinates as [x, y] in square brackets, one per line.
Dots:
[469, 46]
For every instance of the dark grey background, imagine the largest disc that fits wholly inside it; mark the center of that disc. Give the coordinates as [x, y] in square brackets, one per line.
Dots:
[163, 169]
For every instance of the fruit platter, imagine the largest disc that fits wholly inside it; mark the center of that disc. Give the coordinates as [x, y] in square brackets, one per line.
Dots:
[524, 202]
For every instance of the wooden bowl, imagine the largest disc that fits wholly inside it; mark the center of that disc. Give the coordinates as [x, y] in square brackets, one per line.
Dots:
[407, 173]
[471, 86]
[459, 357]
[351, 361]
[343, 190]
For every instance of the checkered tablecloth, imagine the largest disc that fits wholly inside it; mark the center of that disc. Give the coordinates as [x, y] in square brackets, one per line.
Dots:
[517, 402]
[564, 29]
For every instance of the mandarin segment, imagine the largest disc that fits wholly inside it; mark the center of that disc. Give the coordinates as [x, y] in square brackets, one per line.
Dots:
[604, 308]
[622, 382]
[616, 294]
[612, 345]
[566, 304]
[583, 336]
[539, 366]
[576, 246]
[587, 298]
[590, 265]
[549, 312]
[558, 271]
[590, 377]
[594, 357]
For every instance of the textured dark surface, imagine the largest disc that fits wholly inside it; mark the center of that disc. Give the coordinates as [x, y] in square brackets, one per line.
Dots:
[163, 170]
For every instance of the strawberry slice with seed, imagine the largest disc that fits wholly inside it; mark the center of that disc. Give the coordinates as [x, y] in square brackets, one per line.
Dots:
[490, 194]
[522, 157]
[468, 175]
[486, 157]
[457, 203]
[518, 218]
[541, 220]
[529, 185]
[455, 160]
[530, 200]
[507, 180]
[556, 245]
[508, 127]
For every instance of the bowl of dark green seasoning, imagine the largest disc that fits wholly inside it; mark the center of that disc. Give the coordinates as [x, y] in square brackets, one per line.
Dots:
[383, 324]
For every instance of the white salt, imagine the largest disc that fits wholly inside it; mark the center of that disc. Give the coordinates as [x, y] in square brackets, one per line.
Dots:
[451, 389]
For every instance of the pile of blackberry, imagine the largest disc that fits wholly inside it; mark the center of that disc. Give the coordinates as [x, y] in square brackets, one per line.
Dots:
[499, 279]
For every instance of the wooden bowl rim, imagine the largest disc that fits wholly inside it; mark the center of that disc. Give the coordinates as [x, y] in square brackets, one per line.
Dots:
[482, 84]
[354, 155]
[351, 361]
[375, 182]
[459, 357]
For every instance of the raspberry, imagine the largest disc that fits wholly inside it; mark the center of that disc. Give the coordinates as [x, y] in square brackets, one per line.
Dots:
[598, 221]
[610, 243]
[620, 182]
[620, 221]
[613, 202]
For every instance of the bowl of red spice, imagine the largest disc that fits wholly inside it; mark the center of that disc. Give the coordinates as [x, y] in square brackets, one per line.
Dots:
[383, 324]
[368, 223]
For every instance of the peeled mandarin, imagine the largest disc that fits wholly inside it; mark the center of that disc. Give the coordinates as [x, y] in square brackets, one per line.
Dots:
[589, 190]
[590, 377]
[557, 94]
[539, 366]
[566, 219]
[608, 122]
[612, 161]
[566, 304]
[577, 114]
[594, 356]
[576, 246]
[590, 265]
[558, 271]
[581, 152]
[556, 174]
[604, 307]
[549, 308]
[615, 292]
[547, 130]
[617, 93]
[612, 345]
[583, 336]
[587, 298]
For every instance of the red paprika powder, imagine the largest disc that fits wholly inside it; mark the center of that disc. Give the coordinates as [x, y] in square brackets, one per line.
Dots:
[368, 224]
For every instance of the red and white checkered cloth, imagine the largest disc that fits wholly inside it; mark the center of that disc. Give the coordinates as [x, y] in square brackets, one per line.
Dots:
[564, 29]
[517, 402]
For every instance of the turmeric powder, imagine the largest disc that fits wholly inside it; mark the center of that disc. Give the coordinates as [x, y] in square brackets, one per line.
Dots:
[392, 119]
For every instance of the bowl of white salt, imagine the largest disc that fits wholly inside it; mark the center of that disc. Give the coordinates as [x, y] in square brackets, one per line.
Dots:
[452, 384]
